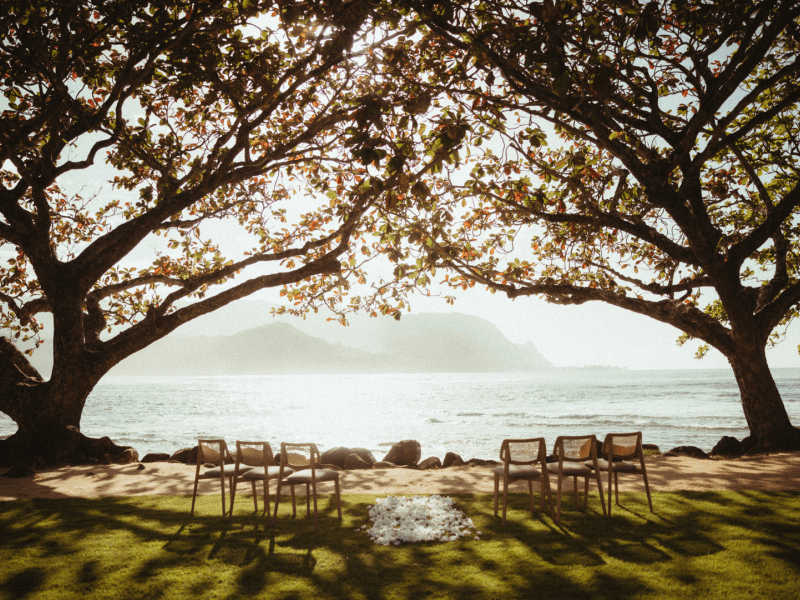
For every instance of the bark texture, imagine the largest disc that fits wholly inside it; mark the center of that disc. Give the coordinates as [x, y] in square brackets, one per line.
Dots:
[764, 410]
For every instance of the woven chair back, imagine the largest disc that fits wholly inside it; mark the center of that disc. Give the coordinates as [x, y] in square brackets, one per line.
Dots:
[624, 445]
[523, 452]
[575, 448]
[299, 456]
[212, 451]
[254, 454]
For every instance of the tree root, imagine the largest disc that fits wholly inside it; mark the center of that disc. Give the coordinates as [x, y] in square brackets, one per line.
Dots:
[64, 446]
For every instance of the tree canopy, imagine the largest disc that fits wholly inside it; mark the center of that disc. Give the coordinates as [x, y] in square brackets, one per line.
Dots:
[130, 128]
[644, 155]
[638, 154]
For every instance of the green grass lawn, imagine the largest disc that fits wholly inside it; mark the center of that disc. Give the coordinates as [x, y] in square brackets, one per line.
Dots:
[698, 545]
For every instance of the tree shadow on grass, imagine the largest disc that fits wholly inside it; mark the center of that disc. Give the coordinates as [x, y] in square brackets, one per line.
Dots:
[24, 583]
[160, 552]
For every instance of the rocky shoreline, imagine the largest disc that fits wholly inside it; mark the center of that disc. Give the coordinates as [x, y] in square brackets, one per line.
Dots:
[406, 454]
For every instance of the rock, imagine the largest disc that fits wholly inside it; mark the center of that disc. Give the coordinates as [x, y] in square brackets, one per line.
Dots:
[690, 451]
[127, 456]
[364, 455]
[482, 462]
[450, 460]
[141, 467]
[432, 462]
[728, 447]
[651, 447]
[187, 456]
[336, 456]
[156, 457]
[100, 447]
[355, 463]
[748, 444]
[382, 464]
[405, 453]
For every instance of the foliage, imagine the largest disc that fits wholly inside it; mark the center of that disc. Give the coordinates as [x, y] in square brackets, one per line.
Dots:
[639, 154]
[644, 155]
[718, 544]
[203, 112]
[135, 138]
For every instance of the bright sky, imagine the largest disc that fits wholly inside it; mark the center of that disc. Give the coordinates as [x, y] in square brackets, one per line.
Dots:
[591, 334]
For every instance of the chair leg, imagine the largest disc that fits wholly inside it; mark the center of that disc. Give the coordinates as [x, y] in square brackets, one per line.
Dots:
[294, 506]
[558, 504]
[338, 499]
[599, 481]
[308, 501]
[314, 489]
[277, 500]
[194, 495]
[496, 491]
[530, 491]
[647, 489]
[234, 482]
[222, 486]
[505, 499]
[541, 496]
[585, 492]
[549, 497]
[266, 497]
[575, 487]
[616, 488]
[610, 483]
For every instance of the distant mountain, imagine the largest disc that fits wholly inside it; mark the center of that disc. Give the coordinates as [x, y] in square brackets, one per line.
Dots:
[382, 335]
[279, 348]
[269, 349]
[418, 343]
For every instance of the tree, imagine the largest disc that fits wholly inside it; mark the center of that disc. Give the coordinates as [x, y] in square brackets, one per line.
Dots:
[673, 187]
[203, 111]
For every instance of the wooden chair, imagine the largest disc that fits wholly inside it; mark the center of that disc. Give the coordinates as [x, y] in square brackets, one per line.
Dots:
[302, 461]
[572, 453]
[254, 463]
[620, 448]
[523, 460]
[214, 452]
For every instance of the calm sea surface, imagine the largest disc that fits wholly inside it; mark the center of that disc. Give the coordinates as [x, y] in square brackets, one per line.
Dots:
[469, 414]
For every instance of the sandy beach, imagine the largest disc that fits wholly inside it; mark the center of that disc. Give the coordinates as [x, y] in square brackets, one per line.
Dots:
[765, 473]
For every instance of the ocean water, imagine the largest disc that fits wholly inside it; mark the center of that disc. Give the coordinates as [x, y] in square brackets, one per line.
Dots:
[466, 413]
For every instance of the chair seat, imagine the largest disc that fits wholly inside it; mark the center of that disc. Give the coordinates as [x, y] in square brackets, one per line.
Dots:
[620, 466]
[216, 472]
[569, 468]
[526, 472]
[257, 474]
[304, 476]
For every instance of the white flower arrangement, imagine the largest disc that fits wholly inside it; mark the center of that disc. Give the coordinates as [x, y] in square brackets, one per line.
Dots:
[418, 519]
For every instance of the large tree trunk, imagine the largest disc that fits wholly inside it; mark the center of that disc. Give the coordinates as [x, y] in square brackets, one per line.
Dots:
[48, 420]
[766, 415]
